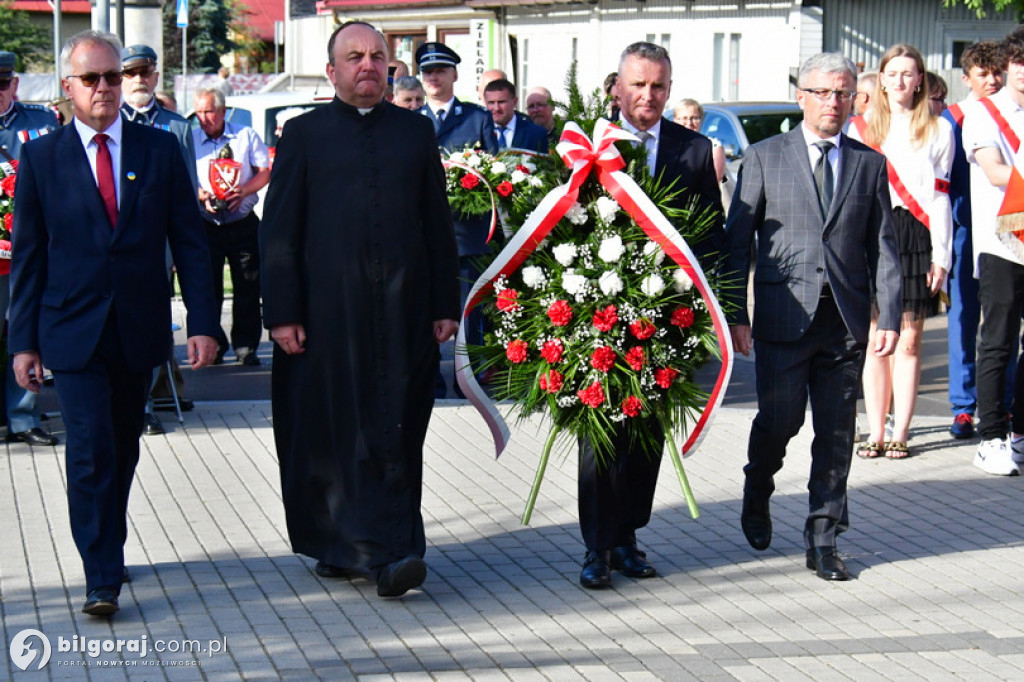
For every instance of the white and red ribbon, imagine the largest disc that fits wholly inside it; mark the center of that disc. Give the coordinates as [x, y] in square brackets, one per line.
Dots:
[600, 156]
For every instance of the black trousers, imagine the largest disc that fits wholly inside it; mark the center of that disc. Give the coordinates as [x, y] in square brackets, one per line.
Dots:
[238, 242]
[1001, 292]
[616, 499]
[825, 364]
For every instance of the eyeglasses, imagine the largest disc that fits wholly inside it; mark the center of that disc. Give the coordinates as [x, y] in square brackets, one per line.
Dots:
[139, 71]
[91, 80]
[5, 83]
[825, 94]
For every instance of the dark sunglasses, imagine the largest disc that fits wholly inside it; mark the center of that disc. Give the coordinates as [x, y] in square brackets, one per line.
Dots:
[5, 83]
[91, 80]
[136, 71]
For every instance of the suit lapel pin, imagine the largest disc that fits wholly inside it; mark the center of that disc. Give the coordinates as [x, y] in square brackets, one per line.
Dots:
[130, 175]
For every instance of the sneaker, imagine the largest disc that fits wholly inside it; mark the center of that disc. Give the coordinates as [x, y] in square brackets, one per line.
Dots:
[963, 426]
[1017, 450]
[993, 457]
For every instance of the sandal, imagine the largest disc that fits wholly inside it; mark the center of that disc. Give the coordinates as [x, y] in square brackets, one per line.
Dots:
[899, 447]
[870, 450]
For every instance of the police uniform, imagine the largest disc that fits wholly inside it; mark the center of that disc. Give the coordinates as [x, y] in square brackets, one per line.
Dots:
[18, 125]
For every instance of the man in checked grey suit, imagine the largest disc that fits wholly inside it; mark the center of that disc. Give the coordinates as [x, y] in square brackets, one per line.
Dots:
[818, 204]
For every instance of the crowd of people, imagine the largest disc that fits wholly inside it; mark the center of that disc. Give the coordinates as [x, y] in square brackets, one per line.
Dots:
[852, 224]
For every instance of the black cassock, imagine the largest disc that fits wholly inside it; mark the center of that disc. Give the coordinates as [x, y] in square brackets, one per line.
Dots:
[356, 245]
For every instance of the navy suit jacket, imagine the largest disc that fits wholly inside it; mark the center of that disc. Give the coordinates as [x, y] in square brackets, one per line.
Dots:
[685, 156]
[70, 269]
[528, 135]
[466, 125]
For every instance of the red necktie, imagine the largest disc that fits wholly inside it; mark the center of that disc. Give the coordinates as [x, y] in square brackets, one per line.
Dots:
[105, 176]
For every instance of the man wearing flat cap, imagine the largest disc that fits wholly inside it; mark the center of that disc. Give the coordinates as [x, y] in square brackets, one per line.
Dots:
[19, 123]
[140, 106]
[458, 125]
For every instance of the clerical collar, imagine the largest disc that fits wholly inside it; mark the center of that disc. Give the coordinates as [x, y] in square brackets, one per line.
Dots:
[8, 116]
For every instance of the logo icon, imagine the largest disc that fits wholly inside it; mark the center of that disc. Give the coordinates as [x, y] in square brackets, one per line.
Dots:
[23, 653]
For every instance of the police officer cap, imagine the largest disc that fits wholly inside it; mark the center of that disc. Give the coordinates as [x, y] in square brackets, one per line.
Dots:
[7, 60]
[431, 55]
[138, 54]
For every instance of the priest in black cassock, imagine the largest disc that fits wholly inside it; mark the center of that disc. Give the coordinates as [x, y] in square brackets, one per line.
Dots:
[359, 279]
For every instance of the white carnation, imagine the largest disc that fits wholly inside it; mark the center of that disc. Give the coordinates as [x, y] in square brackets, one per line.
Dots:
[606, 208]
[527, 163]
[611, 249]
[652, 249]
[517, 176]
[610, 283]
[473, 160]
[573, 283]
[498, 167]
[683, 283]
[652, 285]
[535, 181]
[534, 276]
[457, 156]
[577, 215]
[564, 253]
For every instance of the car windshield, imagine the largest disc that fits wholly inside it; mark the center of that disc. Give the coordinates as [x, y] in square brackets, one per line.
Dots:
[761, 126]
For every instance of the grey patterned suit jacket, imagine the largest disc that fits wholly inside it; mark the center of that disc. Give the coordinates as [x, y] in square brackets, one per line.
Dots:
[853, 249]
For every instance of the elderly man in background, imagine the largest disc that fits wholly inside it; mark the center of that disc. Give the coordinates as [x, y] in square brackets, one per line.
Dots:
[18, 124]
[231, 225]
[541, 112]
[409, 93]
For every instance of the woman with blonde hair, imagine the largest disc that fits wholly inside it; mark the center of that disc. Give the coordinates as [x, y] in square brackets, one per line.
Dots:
[919, 149]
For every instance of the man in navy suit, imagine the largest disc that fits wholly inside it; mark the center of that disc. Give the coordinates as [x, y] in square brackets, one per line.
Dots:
[816, 204]
[512, 129]
[97, 201]
[615, 500]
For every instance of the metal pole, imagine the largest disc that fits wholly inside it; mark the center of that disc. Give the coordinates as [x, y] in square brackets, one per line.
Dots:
[120, 19]
[184, 68]
[56, 44]
[102, 18]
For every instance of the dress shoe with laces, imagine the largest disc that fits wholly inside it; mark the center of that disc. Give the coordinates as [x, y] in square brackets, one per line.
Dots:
[631, 562]
[825, 562]
[597, 570]
[398, 577]
[325, 570]
[756, 521]
[34, 436]
[101, 602]
[153, 425]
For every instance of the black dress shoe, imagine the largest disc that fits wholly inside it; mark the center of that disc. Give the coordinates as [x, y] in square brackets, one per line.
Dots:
[597, 570]
[34, 436]
[631, 562]
[329, 571]
[826, 563]
[250, 360]
[398, 577]
[153, 425]
[101, 602]
[756, 521]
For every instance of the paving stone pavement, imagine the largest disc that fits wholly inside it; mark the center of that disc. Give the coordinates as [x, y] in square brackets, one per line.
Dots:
[935, 548]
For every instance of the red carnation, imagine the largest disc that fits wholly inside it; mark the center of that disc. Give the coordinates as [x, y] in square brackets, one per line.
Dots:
[469, 181]
[8, 221]
[560, 313]
[605, 319]
[631, 406]
[635, 358]
[551, 381]
[522, 169]
[682, 317]
[603, 358]
[516, 351]
[552, 351]
[642, 329]
[507, 300]
[505, 188]
[7, 184]
[593, 395]
[665, 376]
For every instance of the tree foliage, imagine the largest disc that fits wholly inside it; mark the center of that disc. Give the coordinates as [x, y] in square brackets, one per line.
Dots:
[31, 42]
[208, 40]
[982, 7]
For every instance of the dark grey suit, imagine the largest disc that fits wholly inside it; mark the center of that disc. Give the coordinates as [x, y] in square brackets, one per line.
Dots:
[814, 282]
